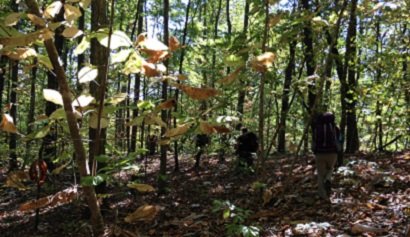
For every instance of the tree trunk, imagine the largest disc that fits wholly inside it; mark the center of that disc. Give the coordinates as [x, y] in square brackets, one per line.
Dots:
[242, 91]
[180, 71]
[285, 97]
[89, 193]
[163, 158]
[379, 106]
[31, 111]
[3, 69]
[13, 113]
[98, 57]
[352, 137]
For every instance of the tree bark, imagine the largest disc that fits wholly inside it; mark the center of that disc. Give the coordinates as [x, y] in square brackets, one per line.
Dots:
[89, 193]
[242, 91]
[2, 80]
[13, 165]
[285, 97]
[163, 158]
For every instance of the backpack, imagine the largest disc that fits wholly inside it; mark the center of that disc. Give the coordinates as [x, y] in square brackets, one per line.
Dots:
[325, 134]
[248, 142]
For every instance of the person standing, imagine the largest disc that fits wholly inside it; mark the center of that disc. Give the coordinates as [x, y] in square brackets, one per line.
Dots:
[325, 145]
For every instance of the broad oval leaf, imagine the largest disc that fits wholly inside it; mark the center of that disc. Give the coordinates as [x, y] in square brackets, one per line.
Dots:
[12, 19]
[153, 70]
[118, 98]
[53, 96]
[72, 32]
[133, 64]
[151, 44]
[53, 9]
[206, 128]
[83, 46]
[87, 74]
[85, 3]
[7, 124]
[83, 101]
[118, 39]
[173, 43]
[142, 188]
[38, 21]
[45, 61]
[198, 93]
[93, 123]
[180, 130]
[20, 53]
[152, 119]
[121, 56]
[71, 13]
[143, 213]
[229, 79]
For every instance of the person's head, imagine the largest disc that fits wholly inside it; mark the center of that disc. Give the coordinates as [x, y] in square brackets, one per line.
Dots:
[244, 130]
[328, 117]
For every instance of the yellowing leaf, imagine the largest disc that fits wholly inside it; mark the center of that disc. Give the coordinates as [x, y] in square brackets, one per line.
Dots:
[157, 56]
[118, 98]
[71, 13]
[142, 188]
[60, 168]
[53, 96]
[45, 60]
[53, 9]
[63, 197]
[121, 56]
[182, 77]
[7, 124]
[133, 64]
[72, 32]
[20, 53]
[150, 44]
[93, 123]
[273, 20]
[12, 19]
[36, 20]
[180, 130]
[85, 4]
[262, 62]
[143, 213]
[83, 101]
[164, 142]
[198, 93]
[118, 39]
[26, 39]
[87, 74]
[173, 43]
[15, 179]
[152, 119]
[231, 77]
[83, 46]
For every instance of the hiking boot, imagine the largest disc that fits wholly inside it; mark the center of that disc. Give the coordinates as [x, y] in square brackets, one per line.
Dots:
[328, 187]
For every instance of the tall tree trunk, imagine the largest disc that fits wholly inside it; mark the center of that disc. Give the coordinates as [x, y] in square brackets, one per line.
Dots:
[242, 92]
[261, 125]
[285, 97]
[3, 69]
[180, 71]
[49, 149]
[98, 57]
[352, 136]
[81, 57]
[379, 106]
[137, 78]
[218, 14]
[13, 113]
[164, 117]
[31, 111]
[89, 193]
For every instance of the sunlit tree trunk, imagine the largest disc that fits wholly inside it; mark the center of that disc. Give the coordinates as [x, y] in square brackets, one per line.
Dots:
[163, 158]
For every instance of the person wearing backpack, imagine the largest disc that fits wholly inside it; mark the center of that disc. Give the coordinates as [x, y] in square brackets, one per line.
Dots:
[246, 145]
[325, 145]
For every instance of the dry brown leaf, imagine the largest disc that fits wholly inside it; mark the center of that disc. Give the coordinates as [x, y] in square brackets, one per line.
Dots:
[142, 188]
[173, 43]
[152, 119]
[221, 129]
[164, 142]
[182, 77]
[206, 128]
[144, 213]
[231, 77]
[157, 56]
[267, 196]
[273, 20]
[20, 53]
[361, 228]
[180, 130]
[72, 32]
[58, 199]
[152, 70]
[71, 13]
[15, 179]
[170, 103]
[38, 21]
[7, 124]
[262, 62]
[198, 93]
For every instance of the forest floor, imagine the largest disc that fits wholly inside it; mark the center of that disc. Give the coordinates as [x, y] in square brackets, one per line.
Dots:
[370, 197]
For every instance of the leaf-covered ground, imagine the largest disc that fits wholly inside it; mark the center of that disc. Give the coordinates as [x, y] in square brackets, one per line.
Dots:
[370, 197]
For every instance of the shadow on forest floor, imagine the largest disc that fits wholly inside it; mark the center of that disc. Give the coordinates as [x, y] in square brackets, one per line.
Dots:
[370, 197]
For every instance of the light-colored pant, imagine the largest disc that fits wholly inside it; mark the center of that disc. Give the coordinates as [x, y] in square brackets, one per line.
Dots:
[325, 163]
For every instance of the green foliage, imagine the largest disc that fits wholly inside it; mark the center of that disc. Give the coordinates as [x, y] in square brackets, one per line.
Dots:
[235, 218]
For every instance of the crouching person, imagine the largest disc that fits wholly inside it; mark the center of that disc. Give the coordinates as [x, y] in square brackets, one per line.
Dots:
[246, 148]
[325, 145]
